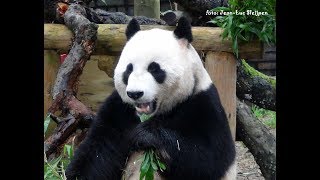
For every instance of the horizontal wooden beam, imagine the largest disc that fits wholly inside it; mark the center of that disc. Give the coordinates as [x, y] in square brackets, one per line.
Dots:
[111, 39]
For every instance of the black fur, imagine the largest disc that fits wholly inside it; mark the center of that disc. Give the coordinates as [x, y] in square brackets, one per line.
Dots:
[158, 74]
[103, 152]
[132, 28]
[199, 124]
[183, 30]
[126, 74]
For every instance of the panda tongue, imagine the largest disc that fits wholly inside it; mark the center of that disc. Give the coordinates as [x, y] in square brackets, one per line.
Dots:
[144, 108]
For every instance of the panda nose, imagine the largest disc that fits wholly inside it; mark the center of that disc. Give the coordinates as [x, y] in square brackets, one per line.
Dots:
[135, 94]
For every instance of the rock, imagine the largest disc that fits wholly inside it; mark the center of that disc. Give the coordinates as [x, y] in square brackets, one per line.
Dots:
[106, 63]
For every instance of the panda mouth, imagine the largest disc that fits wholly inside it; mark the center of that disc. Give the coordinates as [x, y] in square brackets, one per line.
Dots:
[146, 108]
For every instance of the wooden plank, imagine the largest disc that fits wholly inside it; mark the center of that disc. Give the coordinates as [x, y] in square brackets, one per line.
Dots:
[266, 66]
[221, 67]
[111, 39]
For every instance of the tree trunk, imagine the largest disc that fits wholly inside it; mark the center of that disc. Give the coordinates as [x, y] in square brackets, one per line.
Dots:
[256, 87]
[258, 139]
[66, 84]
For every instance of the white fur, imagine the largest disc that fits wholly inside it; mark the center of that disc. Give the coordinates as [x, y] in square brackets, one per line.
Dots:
[231, 174]
[183, 68]
[179, 60]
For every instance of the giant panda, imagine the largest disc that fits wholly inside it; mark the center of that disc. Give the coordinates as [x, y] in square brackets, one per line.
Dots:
[160, 74]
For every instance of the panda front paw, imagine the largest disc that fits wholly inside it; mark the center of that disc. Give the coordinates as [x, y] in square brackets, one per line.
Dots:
[144, 137]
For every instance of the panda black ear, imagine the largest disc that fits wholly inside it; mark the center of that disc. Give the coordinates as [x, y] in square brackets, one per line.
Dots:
[132, 28]
[183, 29]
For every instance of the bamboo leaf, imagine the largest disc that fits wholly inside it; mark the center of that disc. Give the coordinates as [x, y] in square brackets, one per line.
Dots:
[154, 166]
[54, 163]
[161, 166]
[263, 27]
[144, 166]
[150, 174]
[46, 123]
[213, 21]
[217, 9]
[104, 2]
[144, 117]
[235, 46]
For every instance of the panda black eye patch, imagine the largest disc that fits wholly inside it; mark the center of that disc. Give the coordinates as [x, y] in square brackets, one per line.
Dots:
[158, 74]
[126, 74]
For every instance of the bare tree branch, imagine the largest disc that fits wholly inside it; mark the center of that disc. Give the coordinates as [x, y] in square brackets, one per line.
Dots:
[66, 85]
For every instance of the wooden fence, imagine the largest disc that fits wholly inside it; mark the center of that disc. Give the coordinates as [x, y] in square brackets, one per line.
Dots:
[216, 53]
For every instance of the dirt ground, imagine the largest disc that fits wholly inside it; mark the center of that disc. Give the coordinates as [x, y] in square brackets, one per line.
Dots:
[247, 168]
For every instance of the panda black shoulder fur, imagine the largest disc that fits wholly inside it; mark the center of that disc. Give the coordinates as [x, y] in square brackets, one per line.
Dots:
[159, 73]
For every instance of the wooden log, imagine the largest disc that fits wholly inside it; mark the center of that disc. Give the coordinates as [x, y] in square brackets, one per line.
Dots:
[256, 87]
[258, 139]
[222, 69]
[59, 136]
[111, 39]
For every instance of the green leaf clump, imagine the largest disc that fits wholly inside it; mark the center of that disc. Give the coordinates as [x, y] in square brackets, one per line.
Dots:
[55, 168]
[150, 164]
[144, 117]
[249, 25]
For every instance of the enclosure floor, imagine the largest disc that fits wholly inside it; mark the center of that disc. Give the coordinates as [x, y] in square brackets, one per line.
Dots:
[247, 168]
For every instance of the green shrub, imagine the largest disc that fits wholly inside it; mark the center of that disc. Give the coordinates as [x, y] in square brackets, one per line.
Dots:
[247, 27]
[55, 168]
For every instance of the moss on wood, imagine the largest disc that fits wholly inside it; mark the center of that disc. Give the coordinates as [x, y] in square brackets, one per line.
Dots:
[252, 73]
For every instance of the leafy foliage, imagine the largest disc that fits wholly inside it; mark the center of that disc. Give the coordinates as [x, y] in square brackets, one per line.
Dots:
[55, 168]
[247, 27]
[266, 116]
[144, 117]
[150, 164]
[46, 123]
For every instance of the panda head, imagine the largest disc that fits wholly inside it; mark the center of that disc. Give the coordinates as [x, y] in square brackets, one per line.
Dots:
[157, 68]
